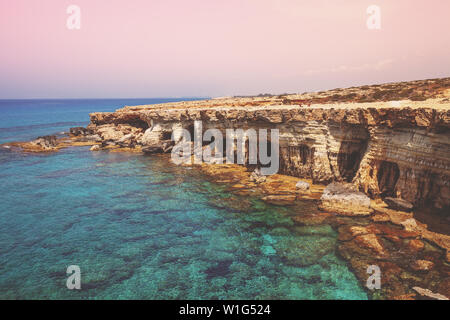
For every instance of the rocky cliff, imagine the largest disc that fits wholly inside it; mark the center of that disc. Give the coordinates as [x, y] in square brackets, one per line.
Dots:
[395, 149]
[389, 141]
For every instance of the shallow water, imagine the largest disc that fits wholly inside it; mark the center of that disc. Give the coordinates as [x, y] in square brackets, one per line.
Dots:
[142, 228]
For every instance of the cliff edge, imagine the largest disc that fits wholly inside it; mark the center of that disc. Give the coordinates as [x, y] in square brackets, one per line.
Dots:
[363, 135]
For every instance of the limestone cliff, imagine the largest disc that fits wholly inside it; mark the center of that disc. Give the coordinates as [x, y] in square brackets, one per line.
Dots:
[396, 149]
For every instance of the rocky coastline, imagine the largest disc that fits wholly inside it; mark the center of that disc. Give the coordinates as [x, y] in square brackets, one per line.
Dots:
[369, 156]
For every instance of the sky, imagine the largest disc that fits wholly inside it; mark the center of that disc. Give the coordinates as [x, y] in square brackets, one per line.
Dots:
[179, 48]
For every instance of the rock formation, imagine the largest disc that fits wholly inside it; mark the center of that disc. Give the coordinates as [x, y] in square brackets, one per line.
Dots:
[399, 150]
[360, 142]
[344, 199]
[45, 142]
[389, 141]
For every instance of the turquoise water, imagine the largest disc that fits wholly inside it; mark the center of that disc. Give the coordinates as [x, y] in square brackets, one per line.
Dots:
[28, 119]
[142, 228]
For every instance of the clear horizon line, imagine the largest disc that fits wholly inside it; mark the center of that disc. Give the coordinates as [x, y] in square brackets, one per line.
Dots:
[98, 98]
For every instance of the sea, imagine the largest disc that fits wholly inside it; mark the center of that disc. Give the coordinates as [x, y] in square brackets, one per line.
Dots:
[140, 227]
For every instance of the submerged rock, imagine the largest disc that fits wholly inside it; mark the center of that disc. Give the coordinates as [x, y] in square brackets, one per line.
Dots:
[311, 219]
[315, 230]
[152, 149]
[304, 251]
[280, 199]
[344, 199]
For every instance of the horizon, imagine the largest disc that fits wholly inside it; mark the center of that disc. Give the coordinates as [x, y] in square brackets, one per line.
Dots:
[210, 97]
[203, 49]
[100, 98]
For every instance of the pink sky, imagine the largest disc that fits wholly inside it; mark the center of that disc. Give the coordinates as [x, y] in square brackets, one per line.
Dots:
[170, 48]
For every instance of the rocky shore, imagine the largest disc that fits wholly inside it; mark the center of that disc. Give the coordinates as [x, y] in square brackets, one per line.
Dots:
[408, 254]
[369, 156]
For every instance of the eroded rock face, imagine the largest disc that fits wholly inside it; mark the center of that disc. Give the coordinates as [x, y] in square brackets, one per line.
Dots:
[399, 152]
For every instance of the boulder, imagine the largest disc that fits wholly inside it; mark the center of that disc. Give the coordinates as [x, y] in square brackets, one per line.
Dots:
[95, 148]
[398, 204]
[46, 142]
[302, 186]
[345, 199]
[257, 177]
[409, 224]
[80, 131]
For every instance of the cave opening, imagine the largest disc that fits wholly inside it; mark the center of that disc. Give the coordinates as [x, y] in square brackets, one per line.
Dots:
[141, 124]
[305, 153]
[297, 160]
[349, 158]
[166, 135]
[388, 174]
